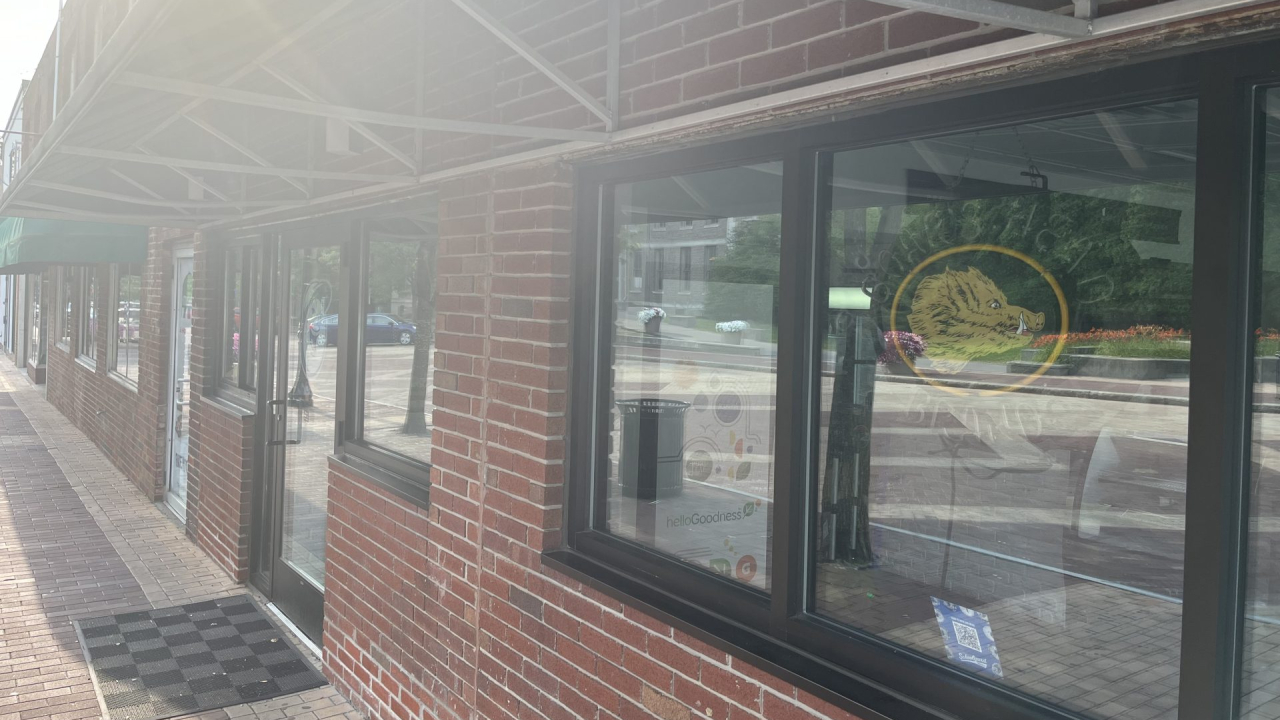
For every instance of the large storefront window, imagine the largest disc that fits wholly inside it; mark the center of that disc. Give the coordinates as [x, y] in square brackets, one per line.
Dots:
[1001, 466]
[905, 404]
[398, 335]
[127, 337]
[693, 348]
[86, 340]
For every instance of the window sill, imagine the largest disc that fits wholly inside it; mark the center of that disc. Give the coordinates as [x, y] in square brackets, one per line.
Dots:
[856, 695]
[229, 406]
[402, 487]
[88, 363]
[243, 402]
[122, 381]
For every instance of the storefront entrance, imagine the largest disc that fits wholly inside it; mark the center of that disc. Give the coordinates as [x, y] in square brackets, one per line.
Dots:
[300, 411]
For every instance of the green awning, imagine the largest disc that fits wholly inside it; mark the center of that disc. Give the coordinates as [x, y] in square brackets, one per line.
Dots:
[31, 245]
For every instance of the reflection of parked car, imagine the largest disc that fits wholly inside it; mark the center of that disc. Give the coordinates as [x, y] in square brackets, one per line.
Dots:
[378, 328]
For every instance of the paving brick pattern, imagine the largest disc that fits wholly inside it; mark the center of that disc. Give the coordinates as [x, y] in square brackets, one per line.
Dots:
[77, 540]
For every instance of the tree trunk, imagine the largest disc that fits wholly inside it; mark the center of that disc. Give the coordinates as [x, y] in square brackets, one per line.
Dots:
[847, 468]
[424, 317]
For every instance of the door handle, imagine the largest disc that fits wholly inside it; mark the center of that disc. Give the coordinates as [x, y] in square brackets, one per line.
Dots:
[286, 440]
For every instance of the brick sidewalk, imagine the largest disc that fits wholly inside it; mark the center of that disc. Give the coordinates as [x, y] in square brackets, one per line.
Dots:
[77, 540]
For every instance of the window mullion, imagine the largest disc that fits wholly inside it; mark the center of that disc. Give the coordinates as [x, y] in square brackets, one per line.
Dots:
[794, 380]
[1218, 436]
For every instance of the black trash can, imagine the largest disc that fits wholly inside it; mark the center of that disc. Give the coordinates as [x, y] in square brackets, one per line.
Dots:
[651, 462]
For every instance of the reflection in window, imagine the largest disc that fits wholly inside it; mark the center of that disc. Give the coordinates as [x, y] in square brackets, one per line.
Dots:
[128, 334]
[1003, 423]
[63, 306]
[86, 341]
[1262, 608]
[399, 334]
[240, 316]
[35, 330]
[692, 395]
[232, 302]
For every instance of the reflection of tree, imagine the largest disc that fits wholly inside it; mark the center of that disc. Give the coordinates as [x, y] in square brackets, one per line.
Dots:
[407, 264]
[424, 317]
[1087, 243]
[846, 491]
[752, 260]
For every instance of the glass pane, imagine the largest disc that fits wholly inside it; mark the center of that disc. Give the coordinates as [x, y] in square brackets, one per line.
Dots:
[180, 452]
[88, 346]
[310, 401]
[65, 288]
[398, 335]
[250, 291]
[35, 332]
[1003, 403]
[128, 320]
[691, 423]
[232, 302]
[1259, 698]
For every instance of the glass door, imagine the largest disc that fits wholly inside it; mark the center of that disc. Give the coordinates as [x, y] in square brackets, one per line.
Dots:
[175, 495]
[301, 421]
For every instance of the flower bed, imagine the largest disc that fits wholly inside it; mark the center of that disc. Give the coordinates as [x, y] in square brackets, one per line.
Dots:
[900, 346]
[1139, 341]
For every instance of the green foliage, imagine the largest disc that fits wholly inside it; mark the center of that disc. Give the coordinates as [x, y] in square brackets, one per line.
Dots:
[1086, 243]
[742, 277]
[392, 267]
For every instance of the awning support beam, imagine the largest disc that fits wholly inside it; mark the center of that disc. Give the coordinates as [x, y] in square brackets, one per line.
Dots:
[526, 51]
[374, 117]
[194, 180]
[242, 149]
[361, 128]
[614, 60]
[1002, 14]
[141, 188]
[318, 19]
[179, 205]
[172, 162]
[58, 212]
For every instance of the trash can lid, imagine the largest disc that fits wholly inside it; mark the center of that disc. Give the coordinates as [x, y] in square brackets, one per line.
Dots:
[652, 406]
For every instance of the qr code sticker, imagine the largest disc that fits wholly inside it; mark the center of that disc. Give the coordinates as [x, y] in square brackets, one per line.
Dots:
[967, 636]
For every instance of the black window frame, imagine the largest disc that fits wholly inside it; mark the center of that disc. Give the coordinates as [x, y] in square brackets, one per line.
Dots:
[857, 670]
[409, 476]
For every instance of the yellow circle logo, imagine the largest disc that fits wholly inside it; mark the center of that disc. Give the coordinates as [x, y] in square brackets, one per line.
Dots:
[964, 315]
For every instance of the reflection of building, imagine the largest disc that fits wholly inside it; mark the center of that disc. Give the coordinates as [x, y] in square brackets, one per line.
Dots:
[669, 264]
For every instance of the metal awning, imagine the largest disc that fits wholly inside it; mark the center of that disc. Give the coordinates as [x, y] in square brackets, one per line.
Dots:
[208, 115]
[196, 113]
[32, 245]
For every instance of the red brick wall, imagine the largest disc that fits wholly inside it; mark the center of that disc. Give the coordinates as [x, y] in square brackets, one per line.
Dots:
[126, 423]
[222, 441]
[677, 56]
[448, 611]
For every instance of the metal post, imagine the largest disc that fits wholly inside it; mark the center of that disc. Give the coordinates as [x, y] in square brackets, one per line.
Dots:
[57, 57]
[612, 85]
